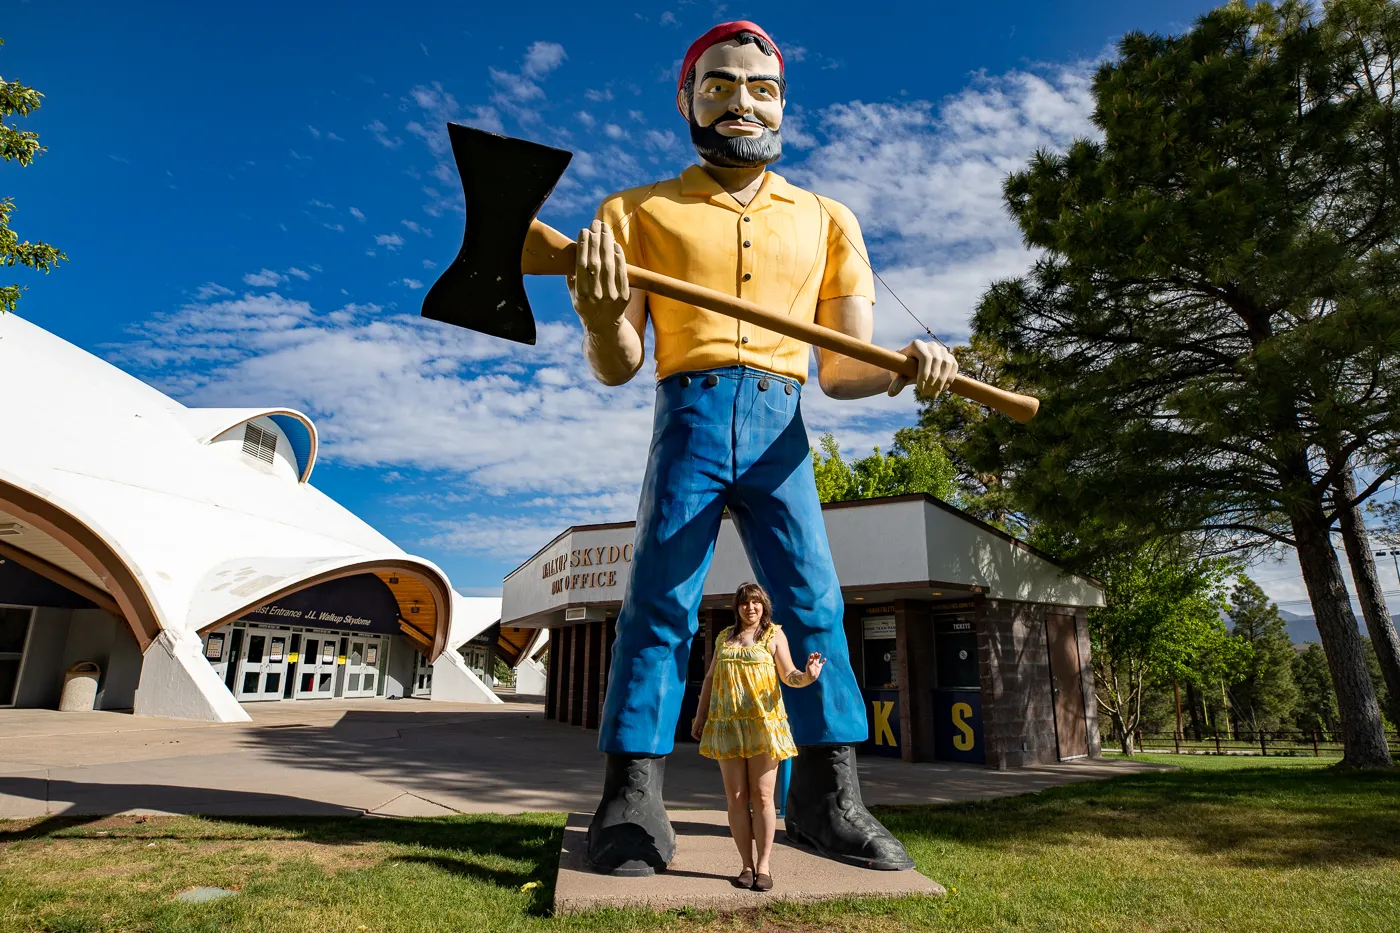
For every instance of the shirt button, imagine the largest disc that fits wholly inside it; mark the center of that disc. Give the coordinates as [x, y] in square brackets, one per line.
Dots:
[747, 276]
[743, 340]
[747, 219]
[747, 244]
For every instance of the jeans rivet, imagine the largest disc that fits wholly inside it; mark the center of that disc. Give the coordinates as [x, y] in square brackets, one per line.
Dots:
[711, 381]
[763, 384]
[684, 381]
[787, 388]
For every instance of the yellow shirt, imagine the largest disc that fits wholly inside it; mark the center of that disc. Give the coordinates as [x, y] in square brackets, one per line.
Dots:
[786, 250]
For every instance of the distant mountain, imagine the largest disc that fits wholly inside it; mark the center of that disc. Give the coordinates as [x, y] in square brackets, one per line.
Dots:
[1304, 628]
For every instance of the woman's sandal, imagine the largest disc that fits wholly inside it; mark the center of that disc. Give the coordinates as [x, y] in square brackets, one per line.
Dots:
[762, 882]
[744, 880]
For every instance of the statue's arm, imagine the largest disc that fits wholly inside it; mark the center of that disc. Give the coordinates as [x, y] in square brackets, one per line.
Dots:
[840, 376]
[614, 315]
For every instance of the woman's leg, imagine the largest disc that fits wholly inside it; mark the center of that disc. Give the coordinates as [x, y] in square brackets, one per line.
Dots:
[763, 777]
[736, 797]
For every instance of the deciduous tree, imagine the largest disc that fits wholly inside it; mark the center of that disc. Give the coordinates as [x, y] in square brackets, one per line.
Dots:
[17, 145]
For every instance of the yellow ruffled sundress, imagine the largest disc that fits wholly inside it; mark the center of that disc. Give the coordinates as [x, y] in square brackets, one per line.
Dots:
[747, 717]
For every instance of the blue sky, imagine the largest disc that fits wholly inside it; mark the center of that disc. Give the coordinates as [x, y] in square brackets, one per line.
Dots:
[255, 196]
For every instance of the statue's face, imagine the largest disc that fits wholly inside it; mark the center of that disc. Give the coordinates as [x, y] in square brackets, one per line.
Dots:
[737, 106]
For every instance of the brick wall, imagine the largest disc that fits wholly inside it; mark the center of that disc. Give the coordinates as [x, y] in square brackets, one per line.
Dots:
[1018, 708]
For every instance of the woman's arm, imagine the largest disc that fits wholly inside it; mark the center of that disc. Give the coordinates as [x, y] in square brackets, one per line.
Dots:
[787, 671]
[702, 710]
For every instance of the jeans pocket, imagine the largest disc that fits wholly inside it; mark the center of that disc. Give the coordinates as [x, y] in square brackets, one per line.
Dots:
[778, 399]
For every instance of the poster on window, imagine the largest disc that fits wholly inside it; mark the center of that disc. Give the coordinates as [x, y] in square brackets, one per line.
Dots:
[328, 652]
[372, 654]
[279, 645]
[214, 648]
[878, 628]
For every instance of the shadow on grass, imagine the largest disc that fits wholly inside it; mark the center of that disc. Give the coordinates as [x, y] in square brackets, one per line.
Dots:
[469, 846]
[1253, 817]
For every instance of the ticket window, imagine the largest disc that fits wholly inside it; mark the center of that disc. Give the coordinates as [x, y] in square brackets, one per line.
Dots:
[958, 692]
[881, 657]
[880, 665]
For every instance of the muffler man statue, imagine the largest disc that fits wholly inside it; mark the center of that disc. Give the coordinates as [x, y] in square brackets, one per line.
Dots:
[729, 434]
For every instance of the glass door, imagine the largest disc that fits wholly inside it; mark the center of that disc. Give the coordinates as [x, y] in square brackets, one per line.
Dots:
[14, 632]
[316, 667]
[422, 675]
[263, 666]
[362, 660]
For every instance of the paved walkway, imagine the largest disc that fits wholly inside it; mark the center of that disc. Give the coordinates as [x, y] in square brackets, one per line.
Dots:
[391, 758]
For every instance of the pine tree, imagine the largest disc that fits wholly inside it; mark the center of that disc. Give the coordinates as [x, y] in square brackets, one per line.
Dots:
[1265, 698]
[1317, 701]
[1215, 319]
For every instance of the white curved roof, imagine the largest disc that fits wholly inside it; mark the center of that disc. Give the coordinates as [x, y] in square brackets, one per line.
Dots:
[136, 467]
[208, 423]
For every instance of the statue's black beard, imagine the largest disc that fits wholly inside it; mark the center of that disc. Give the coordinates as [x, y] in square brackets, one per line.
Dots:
[735, 151]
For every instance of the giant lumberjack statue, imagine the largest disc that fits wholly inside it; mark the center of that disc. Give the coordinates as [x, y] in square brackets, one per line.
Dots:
[729, 434]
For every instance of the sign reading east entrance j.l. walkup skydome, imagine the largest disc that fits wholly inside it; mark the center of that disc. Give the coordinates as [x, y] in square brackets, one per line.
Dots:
[360, 603]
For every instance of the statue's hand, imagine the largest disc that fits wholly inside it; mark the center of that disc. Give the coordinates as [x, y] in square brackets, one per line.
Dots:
[937, 368]
[599, 283]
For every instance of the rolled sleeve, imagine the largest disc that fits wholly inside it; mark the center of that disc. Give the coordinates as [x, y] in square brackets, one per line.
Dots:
[847, 272]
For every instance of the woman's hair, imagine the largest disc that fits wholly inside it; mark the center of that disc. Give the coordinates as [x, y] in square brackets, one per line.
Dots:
[747, 593]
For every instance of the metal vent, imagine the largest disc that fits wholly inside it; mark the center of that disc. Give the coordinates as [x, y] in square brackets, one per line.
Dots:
[259, 444]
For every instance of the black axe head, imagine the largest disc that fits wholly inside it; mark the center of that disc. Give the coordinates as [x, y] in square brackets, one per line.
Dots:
[505, 182]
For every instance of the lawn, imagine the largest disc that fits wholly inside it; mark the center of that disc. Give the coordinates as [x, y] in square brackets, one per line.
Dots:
[1223, 844]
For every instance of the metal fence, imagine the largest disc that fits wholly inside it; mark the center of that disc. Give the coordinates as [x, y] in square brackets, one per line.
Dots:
[1317, 744]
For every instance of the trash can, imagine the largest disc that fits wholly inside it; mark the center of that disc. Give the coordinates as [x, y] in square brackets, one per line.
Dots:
[80, 687]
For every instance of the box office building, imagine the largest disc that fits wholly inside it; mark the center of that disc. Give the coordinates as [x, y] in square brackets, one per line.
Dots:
[969, 645]
[184, 553]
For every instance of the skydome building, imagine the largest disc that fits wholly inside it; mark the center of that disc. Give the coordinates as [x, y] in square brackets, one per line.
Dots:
[185, 553]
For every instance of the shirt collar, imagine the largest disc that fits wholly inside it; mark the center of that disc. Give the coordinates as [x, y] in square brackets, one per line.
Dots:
[697, 183]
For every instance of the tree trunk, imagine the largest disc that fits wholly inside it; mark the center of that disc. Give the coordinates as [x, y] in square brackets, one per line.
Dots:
[1193, 703]
[1368, 590]
[1363, 733]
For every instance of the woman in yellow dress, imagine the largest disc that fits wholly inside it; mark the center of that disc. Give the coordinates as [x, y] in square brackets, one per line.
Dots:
[741, 723]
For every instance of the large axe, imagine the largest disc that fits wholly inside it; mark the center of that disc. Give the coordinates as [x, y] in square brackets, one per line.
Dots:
[506, 181]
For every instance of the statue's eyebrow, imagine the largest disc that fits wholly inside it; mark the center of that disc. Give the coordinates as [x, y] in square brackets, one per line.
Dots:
[730, 76]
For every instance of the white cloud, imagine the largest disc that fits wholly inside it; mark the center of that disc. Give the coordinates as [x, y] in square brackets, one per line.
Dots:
[598, 94]
[416, 227]
[925, 181]
[211, 290]
[338, 228]
[299, 273]
[586, 118]
[414, 284]
[613, 131]
[315, 133]
[358, 214]
[543, 57]
[390, 240]
[429, 264]
[381, 135]
[264, 278]
[668, 19]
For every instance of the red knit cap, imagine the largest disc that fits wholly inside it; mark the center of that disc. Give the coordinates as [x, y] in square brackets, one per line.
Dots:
[722, 33]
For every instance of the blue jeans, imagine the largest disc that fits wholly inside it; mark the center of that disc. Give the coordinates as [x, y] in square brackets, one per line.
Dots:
[741, 444]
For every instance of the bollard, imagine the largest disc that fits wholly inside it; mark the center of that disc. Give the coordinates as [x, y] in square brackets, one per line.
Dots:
[781, 791]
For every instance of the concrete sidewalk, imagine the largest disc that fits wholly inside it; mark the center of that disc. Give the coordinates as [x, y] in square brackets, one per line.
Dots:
[390, 758]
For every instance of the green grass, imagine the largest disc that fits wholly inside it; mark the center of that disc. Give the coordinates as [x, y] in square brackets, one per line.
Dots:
[1222, 844]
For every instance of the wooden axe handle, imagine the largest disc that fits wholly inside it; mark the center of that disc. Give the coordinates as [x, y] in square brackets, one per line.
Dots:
[549, 252]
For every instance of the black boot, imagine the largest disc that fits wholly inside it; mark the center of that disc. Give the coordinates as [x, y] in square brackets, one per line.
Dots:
[824, 811]
[630, 834]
